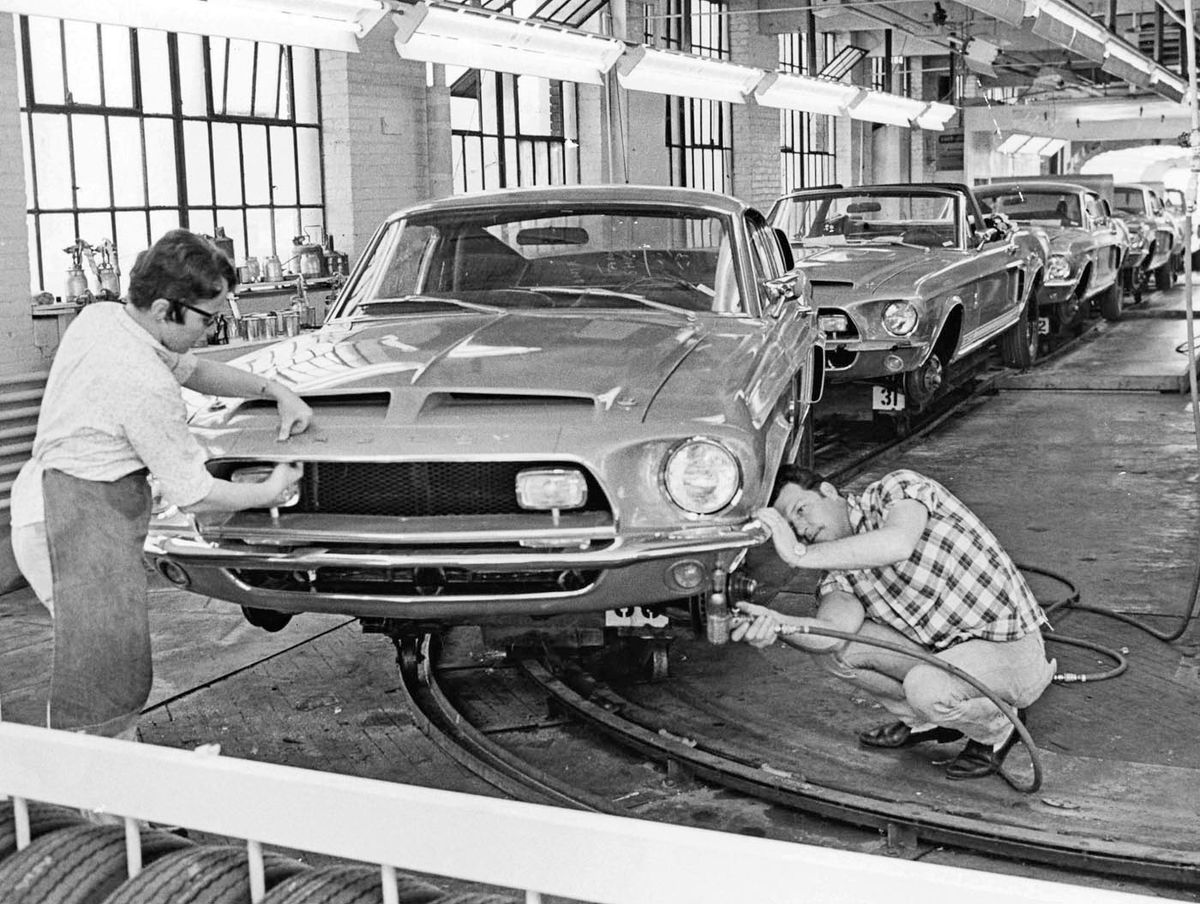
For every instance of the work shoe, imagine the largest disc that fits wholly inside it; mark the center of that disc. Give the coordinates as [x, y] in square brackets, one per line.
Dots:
[978, 760]
[900, 734]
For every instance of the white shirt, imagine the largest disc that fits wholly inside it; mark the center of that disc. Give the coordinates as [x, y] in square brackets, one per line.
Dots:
[112, 406]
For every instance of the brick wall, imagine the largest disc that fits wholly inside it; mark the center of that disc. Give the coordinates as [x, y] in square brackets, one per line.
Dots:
[18, 354]
[378, 139]
[757, 179]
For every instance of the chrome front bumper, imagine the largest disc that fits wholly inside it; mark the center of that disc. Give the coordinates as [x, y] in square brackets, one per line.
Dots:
[630, 570]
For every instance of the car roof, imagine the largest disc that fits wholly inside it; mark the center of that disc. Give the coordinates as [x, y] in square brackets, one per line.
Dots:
[648, 195]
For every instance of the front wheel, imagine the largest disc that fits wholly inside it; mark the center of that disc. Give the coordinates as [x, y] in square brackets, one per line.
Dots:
[1019, 344]
[921, 386]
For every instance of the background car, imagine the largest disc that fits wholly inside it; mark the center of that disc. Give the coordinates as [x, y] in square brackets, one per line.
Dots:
[909, 279]
[1176, 203]
[1156, 242]
[1086, 246]
[529, 404]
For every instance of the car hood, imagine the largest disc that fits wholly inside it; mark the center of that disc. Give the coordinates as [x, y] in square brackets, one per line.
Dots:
[610, 361]
[868, 270]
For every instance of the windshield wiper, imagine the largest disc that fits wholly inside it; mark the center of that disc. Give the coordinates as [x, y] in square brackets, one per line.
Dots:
[430, 299]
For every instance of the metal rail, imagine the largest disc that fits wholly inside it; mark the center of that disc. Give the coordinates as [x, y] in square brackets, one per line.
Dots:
[715, 761]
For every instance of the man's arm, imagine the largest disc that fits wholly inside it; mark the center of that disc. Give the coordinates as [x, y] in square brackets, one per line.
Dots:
[838, 610]
[215, 378]
[892, 543]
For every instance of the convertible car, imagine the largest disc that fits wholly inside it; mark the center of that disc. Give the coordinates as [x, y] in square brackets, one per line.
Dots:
[1087, 246]
[909, 279]
[1155, 240]
[531, 407]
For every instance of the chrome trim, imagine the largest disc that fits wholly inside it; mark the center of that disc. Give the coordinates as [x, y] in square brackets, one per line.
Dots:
[622, 552]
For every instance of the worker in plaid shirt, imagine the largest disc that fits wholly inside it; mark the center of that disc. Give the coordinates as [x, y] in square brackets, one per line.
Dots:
[907, 563]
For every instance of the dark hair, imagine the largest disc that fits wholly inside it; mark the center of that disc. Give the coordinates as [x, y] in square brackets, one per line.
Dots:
[805, 478]
[182, 266]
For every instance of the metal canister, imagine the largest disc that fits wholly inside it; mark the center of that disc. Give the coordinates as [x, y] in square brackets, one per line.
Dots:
[256, 329]
[272, 269]
[270, 326]
[291, 322]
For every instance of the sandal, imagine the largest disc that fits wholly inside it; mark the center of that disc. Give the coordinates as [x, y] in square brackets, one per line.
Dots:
[900, 734]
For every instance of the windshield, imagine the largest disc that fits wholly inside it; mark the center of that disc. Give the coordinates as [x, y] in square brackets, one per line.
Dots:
[508, 258]
[1037, 208]
[1129, 200]
[849, 217]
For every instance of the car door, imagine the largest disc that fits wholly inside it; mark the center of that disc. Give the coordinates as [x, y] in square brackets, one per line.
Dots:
[996, 267]
[1107, 258]
[789, 339]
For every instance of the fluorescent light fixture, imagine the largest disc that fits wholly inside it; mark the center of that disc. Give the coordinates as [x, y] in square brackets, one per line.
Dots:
[1011, 12]
[1126, 64]
[1034, 145]
[1168, 84]
[1053, 146]
[935, 116]
[1014, 141]
[467, 36]
[802, 92]
[321, 24]
[644, 68]
[879, 106]
[1068, 27]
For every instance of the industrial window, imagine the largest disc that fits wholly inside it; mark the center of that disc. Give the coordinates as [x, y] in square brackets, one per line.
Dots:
[130, 132]
[699, 132]
[891, 74]
[806, 140]
[512, 130]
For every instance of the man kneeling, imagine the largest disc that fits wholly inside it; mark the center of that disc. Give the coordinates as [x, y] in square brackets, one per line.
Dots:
[907, 563]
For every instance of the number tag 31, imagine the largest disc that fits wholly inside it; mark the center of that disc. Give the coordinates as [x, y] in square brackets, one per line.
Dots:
[884, 398]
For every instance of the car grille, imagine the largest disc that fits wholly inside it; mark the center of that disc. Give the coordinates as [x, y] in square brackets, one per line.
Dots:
[423, 489]
[439, 582]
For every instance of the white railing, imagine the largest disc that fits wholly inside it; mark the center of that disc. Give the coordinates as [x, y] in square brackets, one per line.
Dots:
[537, 849]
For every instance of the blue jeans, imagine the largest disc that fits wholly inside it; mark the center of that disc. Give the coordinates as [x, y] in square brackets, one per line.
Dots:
[102, 667]
[919, 693]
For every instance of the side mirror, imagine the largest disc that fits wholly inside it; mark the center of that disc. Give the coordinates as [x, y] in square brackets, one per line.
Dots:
[793, 286]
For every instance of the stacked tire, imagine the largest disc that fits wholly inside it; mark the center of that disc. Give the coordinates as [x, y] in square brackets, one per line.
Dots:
[72, 860]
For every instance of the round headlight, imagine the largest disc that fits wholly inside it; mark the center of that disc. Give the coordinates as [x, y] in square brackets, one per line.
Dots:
[899, 318]
[1058, 267]
[701, 476]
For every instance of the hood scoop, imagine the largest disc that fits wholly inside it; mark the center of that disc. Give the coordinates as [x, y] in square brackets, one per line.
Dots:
[830, 283]
[327, 408]
[541, 405]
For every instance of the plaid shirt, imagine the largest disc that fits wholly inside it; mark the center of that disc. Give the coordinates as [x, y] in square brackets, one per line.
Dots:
[958, 583]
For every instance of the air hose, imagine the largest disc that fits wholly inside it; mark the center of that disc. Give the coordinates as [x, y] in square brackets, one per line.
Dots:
[1022, 731]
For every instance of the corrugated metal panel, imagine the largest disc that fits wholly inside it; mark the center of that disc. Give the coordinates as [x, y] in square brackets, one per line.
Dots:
[20, 401]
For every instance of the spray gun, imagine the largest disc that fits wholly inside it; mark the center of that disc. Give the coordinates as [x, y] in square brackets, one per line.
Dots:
[77, 285]
[109, 271]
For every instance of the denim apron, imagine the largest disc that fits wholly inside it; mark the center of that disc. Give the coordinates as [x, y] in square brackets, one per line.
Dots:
[102, 667]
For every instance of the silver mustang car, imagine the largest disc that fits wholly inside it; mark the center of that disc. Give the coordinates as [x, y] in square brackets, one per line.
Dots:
[909, 279]
[531, 403]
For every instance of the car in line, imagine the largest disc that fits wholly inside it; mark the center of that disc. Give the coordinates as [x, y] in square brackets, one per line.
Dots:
[1087, 246]
[549, 409]
[1156, 245]
[1175, 201]
[910, 279]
